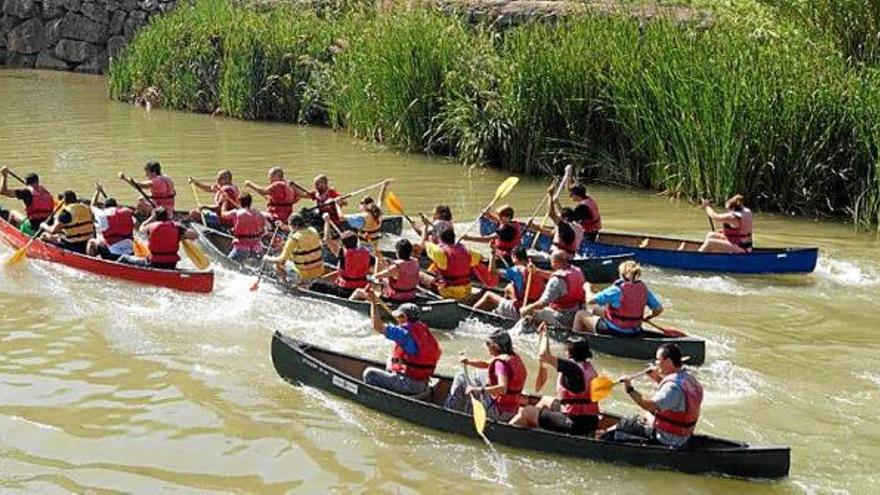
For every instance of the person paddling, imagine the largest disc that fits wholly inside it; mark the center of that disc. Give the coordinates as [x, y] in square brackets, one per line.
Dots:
[355, 264]
[226, 195]
[453, 262]
[115, 228]
[73, 226]
[368, 221]
[161, 189]
[571, 410]
[563, 295]
[301, 258]
[38, 201]
[248, 229]
[509, 304]
[736, 234]
[499, 387]
[507, 236]
[622, 306]
[399, 280]
[586, 212]
[164, 237]
[280, 194]
[568, 233]
[415, 353]
[674, 409]
[323, 195]
[441, 219]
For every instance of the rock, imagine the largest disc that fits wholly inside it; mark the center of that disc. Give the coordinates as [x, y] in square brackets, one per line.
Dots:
[96, 65]
[149, 5]
[27, 38]
[53, 32]
[136, 20]
[72, 5]
[75, 51]
[45, 60]
[20, 60]
[8, 22]
[95, 12]
[53, 8]
[117, 21]
[129, 5]
[78, 27]
[115, 45]
[22, 9]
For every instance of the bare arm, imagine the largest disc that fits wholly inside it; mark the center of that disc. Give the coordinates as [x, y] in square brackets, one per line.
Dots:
[201, 185]
[262, 191]
[4, 189]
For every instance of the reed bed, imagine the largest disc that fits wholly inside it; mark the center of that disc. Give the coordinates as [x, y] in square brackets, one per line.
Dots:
[779, 115]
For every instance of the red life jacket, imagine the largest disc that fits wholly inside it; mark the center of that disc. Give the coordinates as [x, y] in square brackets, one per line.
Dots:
[329, 208]
[420, 366]
[516, 380]
[356, 267]
[633, 299]
[120, 226]
[575, 295]
[403, 287]
[594, 223]
[539, 282]
[569, 247]
[504, 248]
[680, 423]
[742, 235]
[248, 229]
[578, 404]
[282, 197]
[162, 192]
[228, 194]
[458, 266]
[42, 205]
[164, 242]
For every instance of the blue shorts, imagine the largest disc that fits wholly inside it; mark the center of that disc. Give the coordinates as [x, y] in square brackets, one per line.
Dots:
[212, 220]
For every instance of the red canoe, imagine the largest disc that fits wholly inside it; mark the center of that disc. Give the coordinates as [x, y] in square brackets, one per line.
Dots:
[183, 280]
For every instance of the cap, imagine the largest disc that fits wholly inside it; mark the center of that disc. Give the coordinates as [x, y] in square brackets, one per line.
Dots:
[408, 310]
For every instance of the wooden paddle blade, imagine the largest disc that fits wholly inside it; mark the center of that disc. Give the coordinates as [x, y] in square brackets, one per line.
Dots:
[196, 255]
[673, 332]
[505, 187]
[600, 388]
[541, 378]
[479, 415]
[485, 276]
[543, 346]
[17, 257]
[255, 286]
[393, 203]
[140, 249]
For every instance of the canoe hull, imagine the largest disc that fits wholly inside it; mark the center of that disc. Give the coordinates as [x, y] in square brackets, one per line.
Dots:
[299, 363]
[182, 280]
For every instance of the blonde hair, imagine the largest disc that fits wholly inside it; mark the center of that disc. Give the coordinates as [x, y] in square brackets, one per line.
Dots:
[630, 270]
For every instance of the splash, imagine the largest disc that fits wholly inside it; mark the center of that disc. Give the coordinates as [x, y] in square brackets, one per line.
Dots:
[498, 464]
[732, 383]
[715, 284]
[846, 273]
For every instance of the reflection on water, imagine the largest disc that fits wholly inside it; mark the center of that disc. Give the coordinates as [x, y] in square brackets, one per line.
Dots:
[110, 386]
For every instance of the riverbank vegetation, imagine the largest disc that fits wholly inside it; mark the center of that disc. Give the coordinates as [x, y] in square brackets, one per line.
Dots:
[782, 106]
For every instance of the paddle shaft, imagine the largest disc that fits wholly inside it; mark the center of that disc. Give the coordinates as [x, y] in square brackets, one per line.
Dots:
[665, 330]
[345, 196]
[140, 190]
[262, 260]
[39, 229]
[565, 177]
[16, 177]
[199, 205]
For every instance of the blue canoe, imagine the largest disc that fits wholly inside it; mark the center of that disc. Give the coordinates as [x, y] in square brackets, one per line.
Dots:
[681, 254]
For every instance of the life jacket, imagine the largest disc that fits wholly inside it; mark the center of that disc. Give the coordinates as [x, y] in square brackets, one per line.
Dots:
[516, 380]
[571, 248]
[633, 299]
[356, 267]
[248, 229]
[681, 423]
[308, 256]
[574, 295]
[282, 197]
[437, 227]
[742, 235]
[458, 266]
[504, 248]
[162, 192]
[421, 365]
[229, 195]
[81, 226]
[578, 404]
[42, 205]
[594, 223]
[120, 226]
[164, 241]
[403, 287]
[539, 282]
[371, 228]
[329, 208]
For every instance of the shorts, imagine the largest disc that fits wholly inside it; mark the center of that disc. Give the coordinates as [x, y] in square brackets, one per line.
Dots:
[591, 236]
[212, 220]
[328, 287]
[104, 253]
[77, 247]
[507, 309]
[459, 292]
[603, 328]
[26, 228]
[562, 423]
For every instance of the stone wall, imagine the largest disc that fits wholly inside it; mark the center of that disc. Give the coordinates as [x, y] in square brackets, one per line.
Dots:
[78, 35]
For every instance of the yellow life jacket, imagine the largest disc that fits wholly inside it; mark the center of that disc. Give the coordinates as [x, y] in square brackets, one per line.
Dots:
[81, 226]
[371, 228]
[307, 255]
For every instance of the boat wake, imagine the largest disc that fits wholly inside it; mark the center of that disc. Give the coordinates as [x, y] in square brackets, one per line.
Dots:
[728, 382]
[846, 273]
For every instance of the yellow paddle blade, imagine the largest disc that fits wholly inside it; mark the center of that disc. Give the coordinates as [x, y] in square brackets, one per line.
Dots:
[600, 387]
[196, 255]
[393, 203]
[479, 415]
[140, 249]
[505, 187]
[17, 257]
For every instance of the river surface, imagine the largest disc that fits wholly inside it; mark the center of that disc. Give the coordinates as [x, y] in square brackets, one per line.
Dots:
[112, 387]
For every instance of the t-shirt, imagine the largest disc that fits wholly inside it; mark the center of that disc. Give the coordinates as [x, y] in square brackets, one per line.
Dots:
[671, 398]
[438, 257]
[572, 375]
[555, 289]
[402, 337]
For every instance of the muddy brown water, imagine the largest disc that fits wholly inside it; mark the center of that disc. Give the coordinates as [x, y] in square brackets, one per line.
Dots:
[113, 387]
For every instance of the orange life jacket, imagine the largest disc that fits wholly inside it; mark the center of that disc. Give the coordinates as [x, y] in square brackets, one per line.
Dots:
[162, 192]
[164, 242]
[681, 423]
[578, 404]
[248, 229]
[41, 207]
[575, 295]
[403, 287]
[516, 380]
[356, 267]
[633, 299]
[421, 365]
[282, 197]
[229, 195]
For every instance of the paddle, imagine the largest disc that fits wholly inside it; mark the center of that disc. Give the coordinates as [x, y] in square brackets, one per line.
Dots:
[395, 205]
[479, 410]
[543, 347]
[198, 204]
[565, 178]
[502, 190]
[668, 331]
[346, 195]
[20, 254]
[192, 251]
[601, 386]
[704, 204]
[16, 177]
[256, 284]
